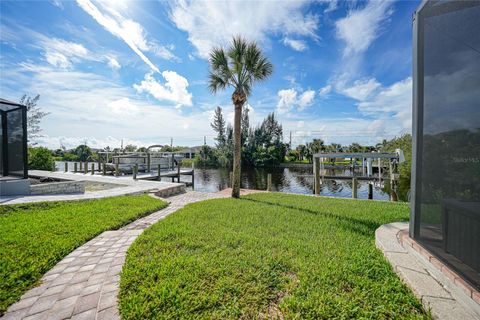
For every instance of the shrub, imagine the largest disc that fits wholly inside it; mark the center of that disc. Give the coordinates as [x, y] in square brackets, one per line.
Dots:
[40, 158]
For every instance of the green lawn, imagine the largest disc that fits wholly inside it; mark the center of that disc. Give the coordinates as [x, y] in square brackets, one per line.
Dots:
[34, 237]
[268, 255]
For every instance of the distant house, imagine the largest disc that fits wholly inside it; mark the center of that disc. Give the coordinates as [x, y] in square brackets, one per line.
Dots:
[189, 153]
[13, 149]
[445, 206]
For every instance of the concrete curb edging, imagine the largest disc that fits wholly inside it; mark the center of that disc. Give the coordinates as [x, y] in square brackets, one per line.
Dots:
[436, 292]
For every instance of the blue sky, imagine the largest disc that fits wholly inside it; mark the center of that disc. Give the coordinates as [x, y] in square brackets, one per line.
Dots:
[137, 70]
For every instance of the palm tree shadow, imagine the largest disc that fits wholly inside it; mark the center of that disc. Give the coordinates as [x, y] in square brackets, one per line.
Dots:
[363, 227]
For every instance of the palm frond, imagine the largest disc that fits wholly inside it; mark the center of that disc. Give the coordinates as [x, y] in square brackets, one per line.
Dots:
[216, 83]
[218, 60]
[239, 66]
[263, 69]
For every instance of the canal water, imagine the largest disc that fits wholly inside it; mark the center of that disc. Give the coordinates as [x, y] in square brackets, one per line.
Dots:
[292, 180]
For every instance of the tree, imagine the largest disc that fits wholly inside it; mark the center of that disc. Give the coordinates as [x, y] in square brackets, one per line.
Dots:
[301, 148]
[130, 148]
[316, 146]
[239, 67]
[218, 125]
[245, 125]
[34, 117]
[355, 147]
[83, 152]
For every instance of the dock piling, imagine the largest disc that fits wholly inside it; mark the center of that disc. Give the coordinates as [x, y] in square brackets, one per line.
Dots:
[75, 167]
[178, 171]
[269, 182]
[370, 191]
[159, 172]
[66, 166]
[104, 168]
[354, 188]
[85, 168]
[316, 173]
[93, 168]
[135, 171]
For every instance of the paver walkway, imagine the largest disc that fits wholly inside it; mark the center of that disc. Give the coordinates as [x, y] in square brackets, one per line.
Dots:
[85, 284]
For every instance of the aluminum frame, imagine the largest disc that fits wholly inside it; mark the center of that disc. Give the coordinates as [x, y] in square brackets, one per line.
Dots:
[5, 162]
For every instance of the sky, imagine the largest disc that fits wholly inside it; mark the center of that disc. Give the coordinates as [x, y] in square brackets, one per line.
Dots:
[136, 71]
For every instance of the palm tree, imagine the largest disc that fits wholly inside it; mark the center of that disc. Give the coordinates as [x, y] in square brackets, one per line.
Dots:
[239, 67]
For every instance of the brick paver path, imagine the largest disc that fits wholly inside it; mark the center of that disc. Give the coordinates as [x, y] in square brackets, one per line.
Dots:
[85, 284]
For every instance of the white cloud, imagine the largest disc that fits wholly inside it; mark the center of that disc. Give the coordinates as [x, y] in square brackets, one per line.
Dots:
[164, 52]
[395, 100]
[290, 98]
[306, 99]
[84, 105]
[324, 91]
[128, 30]
[287, 99]
[113, 63]
[360, 90]
[211, 24]
[332, 6]
[174, 89]
[362, 26]
[297, 45]
[63, 54]
[57, 3]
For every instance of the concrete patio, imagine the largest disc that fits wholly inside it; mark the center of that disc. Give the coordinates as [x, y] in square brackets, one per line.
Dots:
[126, 186]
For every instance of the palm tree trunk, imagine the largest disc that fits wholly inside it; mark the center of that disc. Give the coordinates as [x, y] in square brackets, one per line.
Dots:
[237, 151]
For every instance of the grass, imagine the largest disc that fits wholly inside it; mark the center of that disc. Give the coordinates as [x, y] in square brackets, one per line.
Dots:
[267, 255]
[34, 237]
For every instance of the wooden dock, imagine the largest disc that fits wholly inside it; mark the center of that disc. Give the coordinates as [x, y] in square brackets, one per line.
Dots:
[173, 174]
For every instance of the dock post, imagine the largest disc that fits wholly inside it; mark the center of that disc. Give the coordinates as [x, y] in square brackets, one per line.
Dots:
[380, 170]
[66, 166]
[159, 172]
[193, 179]
[148, 162]
[178, 171]
[54, 167]
[135, 171]
[75, 167]
[104, 169]
[354, 188]
[93, 168]
[116, 170]
[316, 174]
[370, 191]
[99, 165]
[269, 182]
[81, 166]
[369, 167]
[85, 168]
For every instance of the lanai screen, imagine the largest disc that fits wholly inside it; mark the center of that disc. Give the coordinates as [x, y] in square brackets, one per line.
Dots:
[446, 172]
